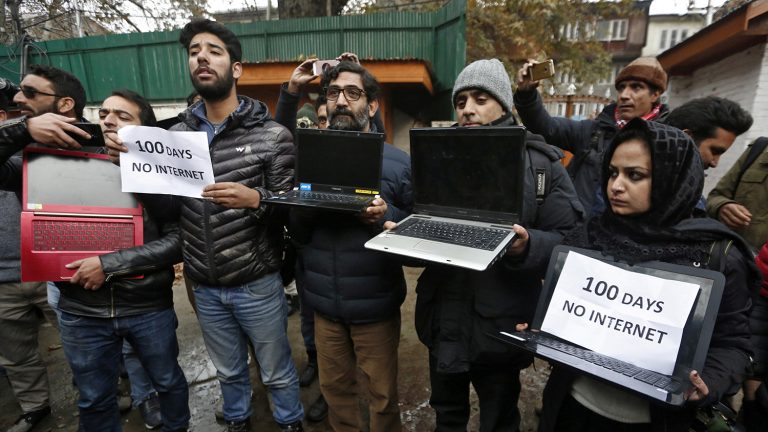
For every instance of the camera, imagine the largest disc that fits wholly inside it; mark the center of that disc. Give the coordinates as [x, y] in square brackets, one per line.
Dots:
[8, 89]
[306, 123]
[540, 71]
[320, 66]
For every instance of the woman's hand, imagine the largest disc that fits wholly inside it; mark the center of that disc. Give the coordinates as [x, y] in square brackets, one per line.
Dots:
[699, 390]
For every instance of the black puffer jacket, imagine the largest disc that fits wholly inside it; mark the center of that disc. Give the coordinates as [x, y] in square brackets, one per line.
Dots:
[342, 279]
[119, 296]
[223, 246]
[586, 139]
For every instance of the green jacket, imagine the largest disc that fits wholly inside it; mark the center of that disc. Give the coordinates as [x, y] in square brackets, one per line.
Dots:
[751, 192]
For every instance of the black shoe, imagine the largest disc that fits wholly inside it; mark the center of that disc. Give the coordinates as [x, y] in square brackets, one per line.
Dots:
[293, 427]
[27, 421]
[240, 426]
[150, 412]
[318, 410]
[309, 374]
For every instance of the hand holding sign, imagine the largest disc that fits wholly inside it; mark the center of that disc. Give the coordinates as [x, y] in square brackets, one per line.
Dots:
[164, 162]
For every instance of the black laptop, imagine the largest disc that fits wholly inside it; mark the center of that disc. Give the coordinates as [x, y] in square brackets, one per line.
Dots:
[697, 332]
[335, 170]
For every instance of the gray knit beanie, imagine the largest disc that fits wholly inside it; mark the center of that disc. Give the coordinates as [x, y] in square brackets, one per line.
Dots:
[489, 76]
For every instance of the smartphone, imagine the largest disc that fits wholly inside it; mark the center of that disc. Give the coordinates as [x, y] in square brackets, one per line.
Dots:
[543, 70]
[321, 66]
[94, 129]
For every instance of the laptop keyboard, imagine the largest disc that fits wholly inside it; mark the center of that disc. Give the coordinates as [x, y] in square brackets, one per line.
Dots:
[453, 233]
[52, 235]
[348, 199]
[650, 377]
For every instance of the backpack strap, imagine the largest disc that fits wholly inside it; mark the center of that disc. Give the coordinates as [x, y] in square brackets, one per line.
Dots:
[757, 147]
[717, 254]
[542, 170]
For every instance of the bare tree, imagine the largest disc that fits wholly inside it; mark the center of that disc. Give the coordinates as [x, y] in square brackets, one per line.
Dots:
[309, 8]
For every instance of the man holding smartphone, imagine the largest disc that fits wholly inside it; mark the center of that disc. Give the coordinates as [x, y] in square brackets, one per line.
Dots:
[639, 86]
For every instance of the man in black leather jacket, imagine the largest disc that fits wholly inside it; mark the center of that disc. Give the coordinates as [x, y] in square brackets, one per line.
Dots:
[101, 307]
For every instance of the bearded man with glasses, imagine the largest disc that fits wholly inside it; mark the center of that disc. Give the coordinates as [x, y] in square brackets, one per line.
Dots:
[356, 293]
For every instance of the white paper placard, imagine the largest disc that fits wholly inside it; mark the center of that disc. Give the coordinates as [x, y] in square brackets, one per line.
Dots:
[634, 317]
[165, 162]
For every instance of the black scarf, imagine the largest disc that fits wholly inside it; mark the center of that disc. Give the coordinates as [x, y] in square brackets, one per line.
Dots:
[668, 231]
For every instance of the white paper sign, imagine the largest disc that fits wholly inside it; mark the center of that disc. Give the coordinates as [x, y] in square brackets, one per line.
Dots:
[633, 317]
[165, 162]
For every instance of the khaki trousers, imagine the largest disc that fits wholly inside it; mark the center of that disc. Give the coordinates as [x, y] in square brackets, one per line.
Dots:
[21, 307]
[341, 350]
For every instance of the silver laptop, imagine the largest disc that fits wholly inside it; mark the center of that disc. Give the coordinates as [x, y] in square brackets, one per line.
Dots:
[468, 192]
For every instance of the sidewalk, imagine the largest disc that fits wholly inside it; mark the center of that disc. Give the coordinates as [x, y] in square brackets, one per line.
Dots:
[204, 389]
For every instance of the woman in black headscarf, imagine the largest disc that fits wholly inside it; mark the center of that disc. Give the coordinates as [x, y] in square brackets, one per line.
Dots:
[652, 179]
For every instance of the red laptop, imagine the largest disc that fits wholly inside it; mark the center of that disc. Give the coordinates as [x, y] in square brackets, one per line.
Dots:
[73, 207]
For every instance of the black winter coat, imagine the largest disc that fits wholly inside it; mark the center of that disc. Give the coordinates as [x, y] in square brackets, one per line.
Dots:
[456, 308]
[342, 279]
[224, 246]
[586, 139]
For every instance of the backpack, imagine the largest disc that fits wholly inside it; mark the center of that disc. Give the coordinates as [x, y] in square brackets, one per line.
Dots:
[717, 254]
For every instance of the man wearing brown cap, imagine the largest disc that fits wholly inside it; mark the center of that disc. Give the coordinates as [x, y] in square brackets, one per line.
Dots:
[639, 86]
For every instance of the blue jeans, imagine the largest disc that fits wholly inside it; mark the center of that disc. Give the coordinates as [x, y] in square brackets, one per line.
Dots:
[258, 311]
[93, 347]
[141, 384]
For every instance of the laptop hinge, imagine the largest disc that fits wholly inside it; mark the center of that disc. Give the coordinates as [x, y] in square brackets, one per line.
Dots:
[84, 215]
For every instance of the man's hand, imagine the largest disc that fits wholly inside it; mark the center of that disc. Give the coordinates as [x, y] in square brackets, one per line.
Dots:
[232, 195]
[51, 129]
[389, 225]
[734, 215]
[89, 273]
[374, 212]
[348, 56]
[699, 390]
[115, 146]
[301, 76]
[524, 82]
[520, 244]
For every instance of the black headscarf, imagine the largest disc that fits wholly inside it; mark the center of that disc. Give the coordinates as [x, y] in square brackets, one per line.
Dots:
[669, 231]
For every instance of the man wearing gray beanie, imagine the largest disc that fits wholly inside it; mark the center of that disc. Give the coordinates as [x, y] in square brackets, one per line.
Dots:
[457, 308]
[639, 86]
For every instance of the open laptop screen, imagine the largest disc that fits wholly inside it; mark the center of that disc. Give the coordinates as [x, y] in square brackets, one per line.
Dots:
[75, 181]
[468, 168]
[700, 321]
[339, 158]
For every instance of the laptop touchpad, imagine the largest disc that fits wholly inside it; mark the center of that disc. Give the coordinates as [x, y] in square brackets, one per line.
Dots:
[429, 246]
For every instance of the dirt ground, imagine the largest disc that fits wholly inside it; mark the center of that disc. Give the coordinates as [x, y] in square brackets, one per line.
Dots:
[204, 392]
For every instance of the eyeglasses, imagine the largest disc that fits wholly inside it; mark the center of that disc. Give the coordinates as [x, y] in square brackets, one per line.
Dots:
[31, 92]
[351, 93]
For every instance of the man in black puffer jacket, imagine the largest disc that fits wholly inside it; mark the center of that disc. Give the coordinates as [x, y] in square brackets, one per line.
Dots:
[456, 308]
[356, 293]
[232, 245]
[101, 307]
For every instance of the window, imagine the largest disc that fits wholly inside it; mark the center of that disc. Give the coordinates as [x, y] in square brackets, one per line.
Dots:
[683, 35]
[663, 43]
[673, 38]
[561, 110]
[612, 30]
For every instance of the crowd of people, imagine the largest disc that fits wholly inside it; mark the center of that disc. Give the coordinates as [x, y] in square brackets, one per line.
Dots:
[633, 190]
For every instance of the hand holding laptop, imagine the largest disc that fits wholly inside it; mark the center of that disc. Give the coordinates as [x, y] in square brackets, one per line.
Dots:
[55, 130]
[89, 273]
[520, 244]
[374, 212]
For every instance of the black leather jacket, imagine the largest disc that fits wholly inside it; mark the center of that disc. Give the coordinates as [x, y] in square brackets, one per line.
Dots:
[119, 296]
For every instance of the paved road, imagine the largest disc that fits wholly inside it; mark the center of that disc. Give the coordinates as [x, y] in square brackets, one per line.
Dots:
[204, 390]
